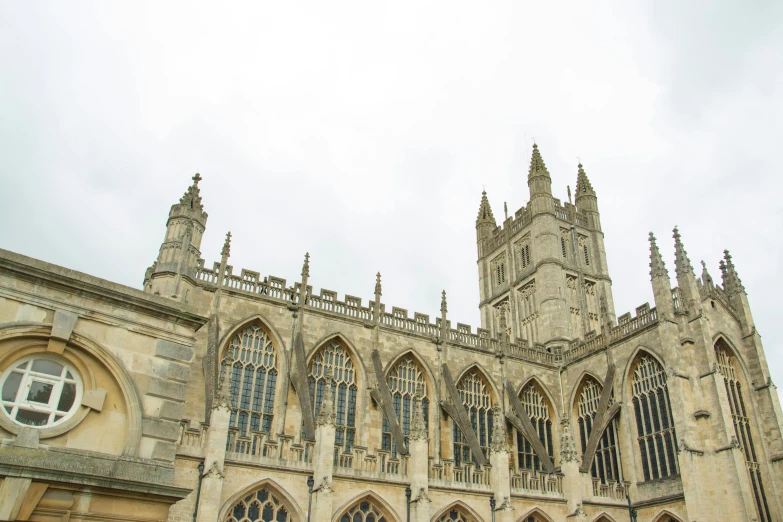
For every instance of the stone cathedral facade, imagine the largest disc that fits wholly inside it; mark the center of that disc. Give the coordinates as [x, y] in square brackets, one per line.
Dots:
[218, 394]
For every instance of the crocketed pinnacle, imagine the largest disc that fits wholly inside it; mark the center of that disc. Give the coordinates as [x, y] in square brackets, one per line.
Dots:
[731, 281]
[537, 166]
[657, 268]
[443, 307]
[192, 197]
[326, 413]
[418, 426]
[226, 246]
[706, 278]
[681, 262]
[485, 211]
[568, 452]
[583, 185]
[498, 442]
[378, 284]
[306, 265]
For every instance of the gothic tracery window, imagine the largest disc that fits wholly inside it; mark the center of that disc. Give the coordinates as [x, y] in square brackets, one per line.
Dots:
[336, 356]
[729, 367]
[402, 380]
[538, 409]
[364, 511]
[455, 515]
[606, 464]
[475, 394]
[252, 360]
[654, 425]
[258, 506]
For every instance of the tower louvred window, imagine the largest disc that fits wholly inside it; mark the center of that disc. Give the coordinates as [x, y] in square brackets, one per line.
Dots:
[563, 246]
[655, 429]
[251, 360]
[728, 366]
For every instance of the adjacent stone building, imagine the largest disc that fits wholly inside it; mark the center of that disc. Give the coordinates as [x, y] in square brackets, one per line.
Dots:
[218, 394]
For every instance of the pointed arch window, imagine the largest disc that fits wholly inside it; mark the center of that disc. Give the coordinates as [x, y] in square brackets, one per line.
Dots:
[607, 466]
[539, 410]
[654, 425]
[259, 506]
[729, 368]
[336, 356]
[252, 360]
[402, 381]
[455, 515]
[474, 392]
[364, 511]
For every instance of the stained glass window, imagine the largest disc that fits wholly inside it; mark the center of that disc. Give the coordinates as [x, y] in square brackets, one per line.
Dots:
[474, 392]
[336, 356]
[606, 464]
[538, 409]
[259, 506]
[402, 381]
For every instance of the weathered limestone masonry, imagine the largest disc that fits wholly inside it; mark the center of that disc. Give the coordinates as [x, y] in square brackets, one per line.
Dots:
[222, 396]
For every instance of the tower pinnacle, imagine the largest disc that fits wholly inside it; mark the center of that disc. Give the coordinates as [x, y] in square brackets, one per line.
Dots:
[657, 267]
[226, 246]
[537, 165]
[731, 281]
[681, 262]
[485, 211]
[192, 197]
[583, 185]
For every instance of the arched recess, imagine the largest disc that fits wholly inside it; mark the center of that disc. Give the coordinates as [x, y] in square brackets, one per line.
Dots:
[604, 517]
[41, 332]
[399, 378]
[537, 514]
[666, 516]
[607, 464]
[348, 377]
[371, 498]
[250, 495]
[541, 411]
[468, 513]
[647, 393]
[255, 357]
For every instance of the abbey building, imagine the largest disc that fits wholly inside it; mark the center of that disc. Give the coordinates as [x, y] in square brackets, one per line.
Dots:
[220, 394]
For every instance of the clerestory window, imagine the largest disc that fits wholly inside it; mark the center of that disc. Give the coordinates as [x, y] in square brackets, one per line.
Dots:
[538, 409]
[474, 392]
[336, 356]
[402, 380]
[606, 465]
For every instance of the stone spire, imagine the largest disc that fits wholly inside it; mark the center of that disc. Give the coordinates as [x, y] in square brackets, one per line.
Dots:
[192, 197]
[537, 165]
[485, 211]
[583, 185]
[681, 262]
[706, 278]
[418, 425]
[499, 442]
[731, 282]
[326, 413]
[226, 246]
[657, 268]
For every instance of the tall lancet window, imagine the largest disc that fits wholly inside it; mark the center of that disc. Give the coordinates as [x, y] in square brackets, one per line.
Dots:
[402, 381]
[336, 356]
[474, 392]
[538, 409]
[728, 366]
[654, 425]
[606, 464]
[252, 360]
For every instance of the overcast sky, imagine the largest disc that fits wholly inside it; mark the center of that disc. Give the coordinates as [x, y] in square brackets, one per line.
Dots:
[364, 135]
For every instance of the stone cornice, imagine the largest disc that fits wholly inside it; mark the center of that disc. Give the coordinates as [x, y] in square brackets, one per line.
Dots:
[72, 281]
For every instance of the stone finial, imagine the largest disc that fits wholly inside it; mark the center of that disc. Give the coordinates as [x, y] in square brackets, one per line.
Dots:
[326, 413]
[192, 196]
[418, 424]
[485, 211]
[306, 265]
[226, 246]
[731, 282]
[378, 284]
[657, 268]
[537, 166]
[443, 307]
[505, 209]
[706, 278]
[568, 452]
[583, 185]
[498, 442]
[681, 262]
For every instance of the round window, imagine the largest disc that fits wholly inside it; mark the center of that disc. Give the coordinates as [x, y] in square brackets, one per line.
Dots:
[40, 391]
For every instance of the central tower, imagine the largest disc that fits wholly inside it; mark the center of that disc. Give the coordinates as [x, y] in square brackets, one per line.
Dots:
[543, 275]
